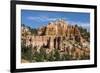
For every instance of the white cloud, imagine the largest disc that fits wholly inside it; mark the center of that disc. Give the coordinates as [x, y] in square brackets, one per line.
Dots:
[44, 18]
[33, 18]
[79, 23]
[84, 25]
[48, 19]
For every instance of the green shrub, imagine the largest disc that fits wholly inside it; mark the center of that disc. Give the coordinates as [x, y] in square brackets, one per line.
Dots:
[26, 53]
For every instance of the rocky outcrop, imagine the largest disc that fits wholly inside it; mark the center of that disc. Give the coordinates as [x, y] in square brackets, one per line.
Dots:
[60, 28]
[57, 35]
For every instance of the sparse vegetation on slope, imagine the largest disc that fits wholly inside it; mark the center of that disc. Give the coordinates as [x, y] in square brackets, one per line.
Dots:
[71, 42]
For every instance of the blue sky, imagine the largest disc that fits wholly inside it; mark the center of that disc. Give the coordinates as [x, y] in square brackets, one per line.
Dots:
[35, 19]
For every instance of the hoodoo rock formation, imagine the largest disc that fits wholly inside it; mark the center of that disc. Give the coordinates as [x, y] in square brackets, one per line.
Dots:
[58, 34]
